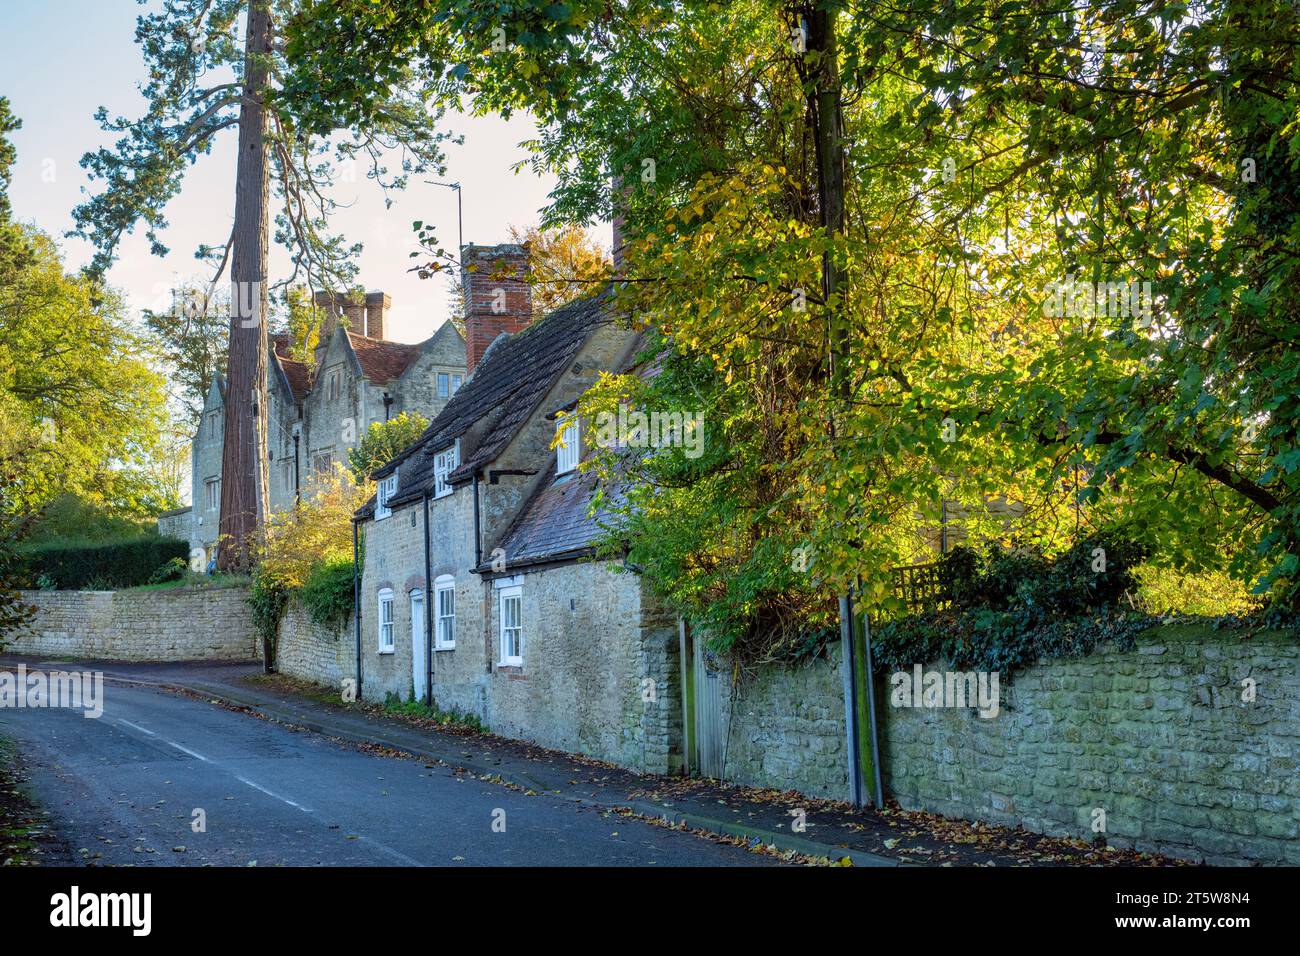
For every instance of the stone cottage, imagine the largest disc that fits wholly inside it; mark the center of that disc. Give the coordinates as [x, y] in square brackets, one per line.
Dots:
[320, 410]
[477, 581]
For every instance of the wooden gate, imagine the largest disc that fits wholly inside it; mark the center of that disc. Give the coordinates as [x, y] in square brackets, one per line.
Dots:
[711, 693]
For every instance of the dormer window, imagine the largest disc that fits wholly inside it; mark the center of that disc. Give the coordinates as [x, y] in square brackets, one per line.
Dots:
[386, 490]
[567, 453]
[444, 464]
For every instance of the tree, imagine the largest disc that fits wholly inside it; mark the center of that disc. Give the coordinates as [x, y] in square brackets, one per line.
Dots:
[384, 441]
[185, 45]
[991, 156]
[81, 404]
[565, 263]
[192, 336]
[13, 251]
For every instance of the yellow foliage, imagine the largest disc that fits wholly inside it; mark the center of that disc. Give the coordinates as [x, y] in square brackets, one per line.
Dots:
[318, 528]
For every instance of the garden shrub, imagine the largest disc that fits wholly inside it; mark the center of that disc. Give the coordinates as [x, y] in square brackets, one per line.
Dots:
[173, 570]
[327, 593]
[1010, 609]
[122, 564]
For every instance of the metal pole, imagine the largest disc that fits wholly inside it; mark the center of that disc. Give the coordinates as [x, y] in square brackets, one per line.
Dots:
[852, 742]
[686, 654]
[460, 212]
[871, 711]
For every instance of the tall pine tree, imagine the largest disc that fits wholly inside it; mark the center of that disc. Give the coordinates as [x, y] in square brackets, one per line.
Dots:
[205, 77]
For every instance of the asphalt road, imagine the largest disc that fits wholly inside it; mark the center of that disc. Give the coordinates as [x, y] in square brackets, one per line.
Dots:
[125, 788]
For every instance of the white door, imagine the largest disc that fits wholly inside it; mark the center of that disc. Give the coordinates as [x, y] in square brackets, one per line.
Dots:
[419, 664]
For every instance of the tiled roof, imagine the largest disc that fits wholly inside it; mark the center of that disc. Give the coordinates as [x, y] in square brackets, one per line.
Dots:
[557, 522]
[507, 386]
[381, 360]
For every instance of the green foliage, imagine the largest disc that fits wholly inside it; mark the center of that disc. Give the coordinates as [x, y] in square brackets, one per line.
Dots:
[395, 705]
[268, 601]
[1010, 609]
[194, 57]
[173, 570]
[384, 441]
[192, 336]
[15, 613]
[992, 150]
[13, 245]
[72, 519]
[121, 564]
[79, 396]
[1202, 594]
[328, 592]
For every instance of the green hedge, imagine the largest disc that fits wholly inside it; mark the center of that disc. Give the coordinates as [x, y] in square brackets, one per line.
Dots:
[124, 564]
[327, 593]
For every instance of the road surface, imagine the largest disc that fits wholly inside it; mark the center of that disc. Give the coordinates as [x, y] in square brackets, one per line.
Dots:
[128, 788]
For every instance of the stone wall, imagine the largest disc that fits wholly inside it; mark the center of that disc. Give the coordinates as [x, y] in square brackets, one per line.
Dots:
[176, 524]
[784, 729]
[314, 652]
[1159, 738]
[177, 624]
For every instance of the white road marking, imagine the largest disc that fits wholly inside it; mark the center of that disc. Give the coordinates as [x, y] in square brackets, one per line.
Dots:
[198, 756]
[185, 750]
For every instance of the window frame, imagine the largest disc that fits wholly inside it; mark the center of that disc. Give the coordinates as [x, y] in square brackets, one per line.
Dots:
[456, 382]
[212, 490]
[444, 584]
[386, 628]
[513, 593]
[444, 385]
[386, 488]
[569, 453]
[444, 463]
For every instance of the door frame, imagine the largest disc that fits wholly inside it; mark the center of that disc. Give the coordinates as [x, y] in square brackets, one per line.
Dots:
[419, 665]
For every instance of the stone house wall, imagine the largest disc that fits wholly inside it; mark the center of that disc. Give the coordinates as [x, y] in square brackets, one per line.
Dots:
[600, 675]
[176, 624]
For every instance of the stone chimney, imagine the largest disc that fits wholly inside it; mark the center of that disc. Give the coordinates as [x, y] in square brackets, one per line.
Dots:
[327, 302]
[498, 297]
[377, 303]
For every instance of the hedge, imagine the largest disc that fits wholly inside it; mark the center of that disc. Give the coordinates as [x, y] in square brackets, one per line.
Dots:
[107, 567]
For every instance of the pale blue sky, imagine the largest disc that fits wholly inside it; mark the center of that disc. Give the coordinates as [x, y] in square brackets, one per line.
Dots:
[62, 59]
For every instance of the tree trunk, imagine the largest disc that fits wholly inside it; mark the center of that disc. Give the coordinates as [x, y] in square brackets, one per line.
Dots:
[244, 501]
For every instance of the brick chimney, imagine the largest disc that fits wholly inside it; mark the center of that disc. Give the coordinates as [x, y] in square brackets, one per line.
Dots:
[498, 297]
[377, 303]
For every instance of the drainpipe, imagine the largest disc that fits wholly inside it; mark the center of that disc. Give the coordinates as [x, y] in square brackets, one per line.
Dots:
[428, 611]
[297, 483]
[478, 537]
[388, 403]
[356, 595]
